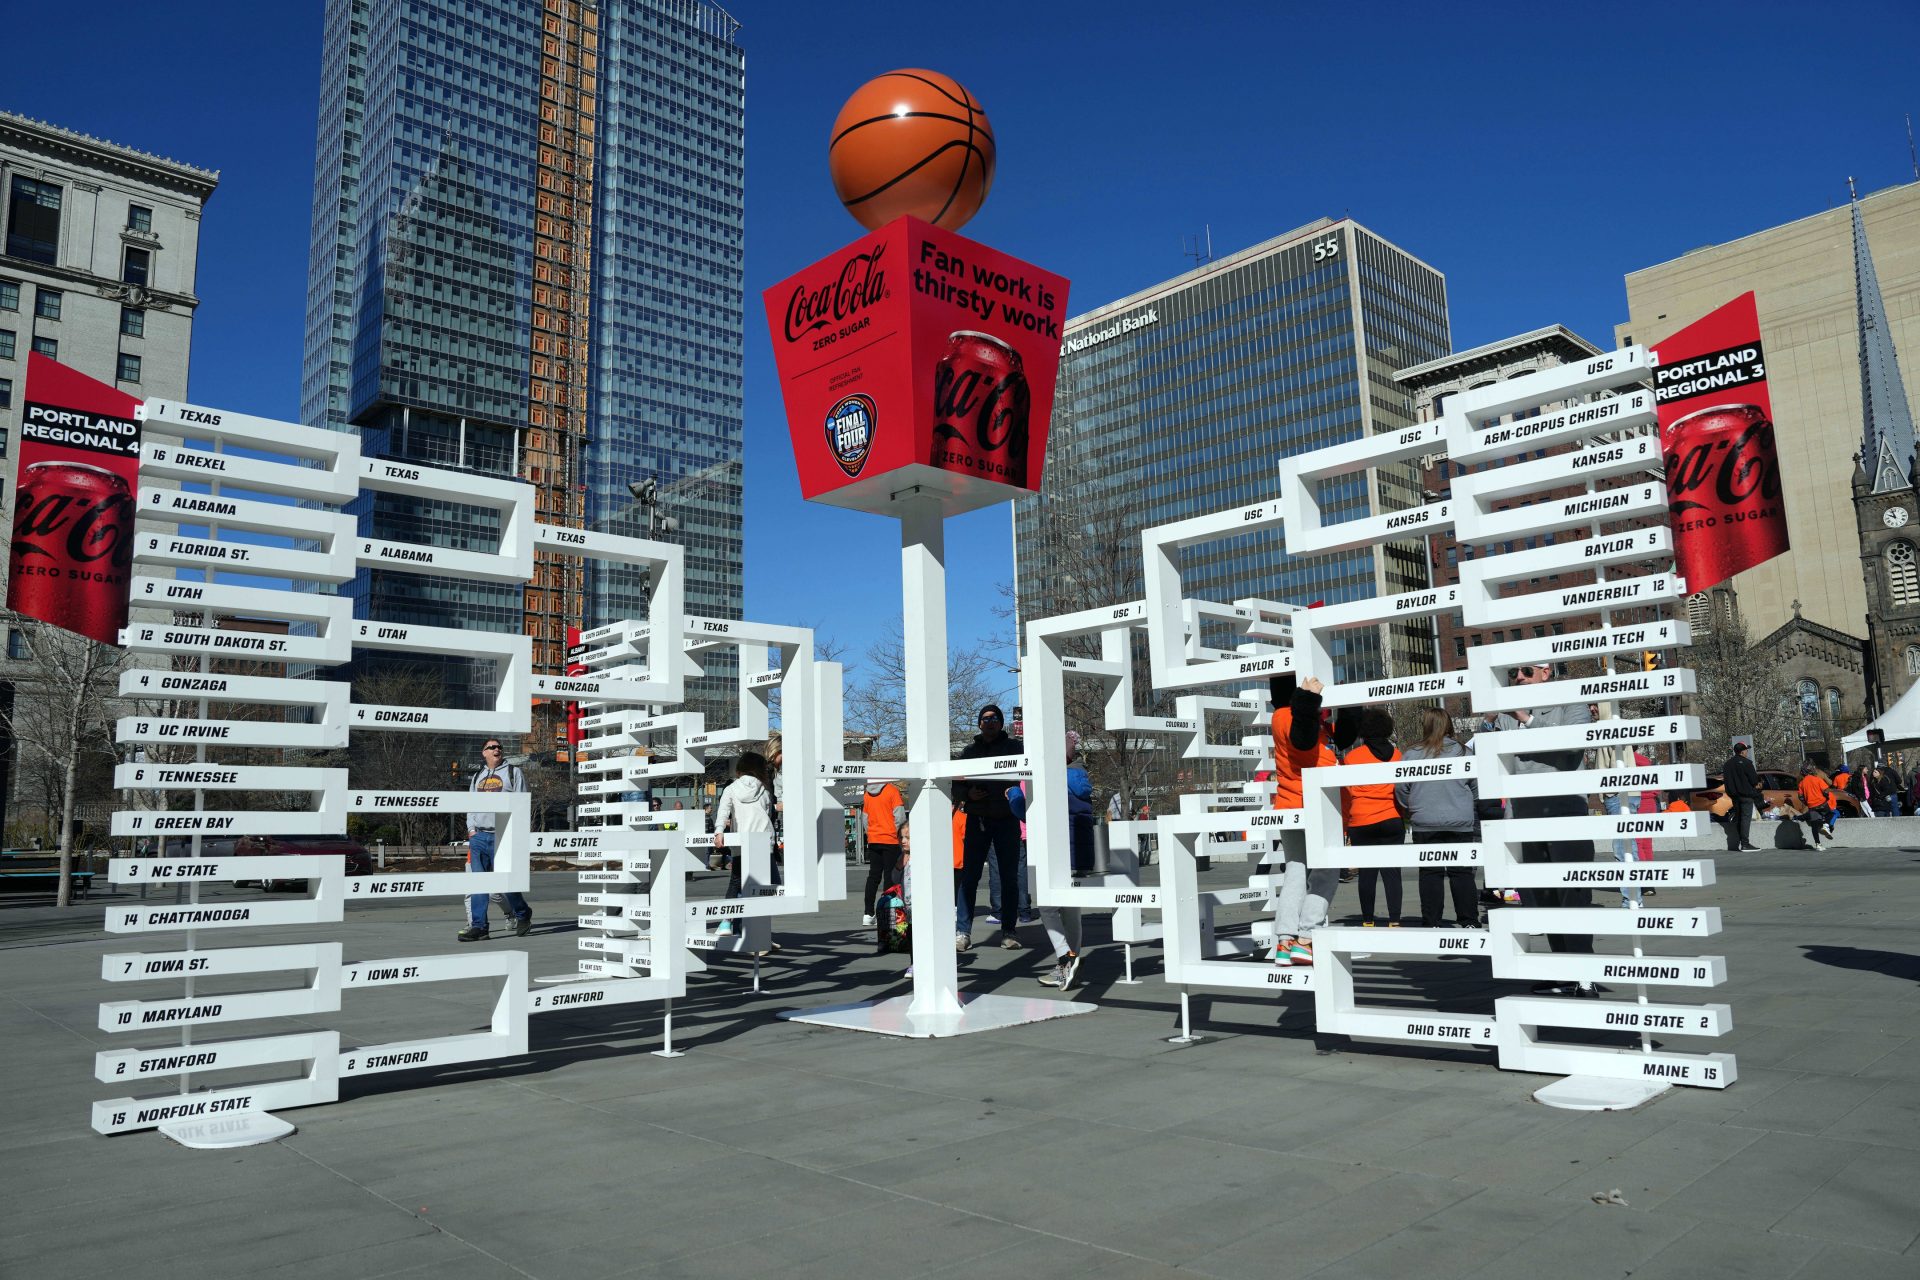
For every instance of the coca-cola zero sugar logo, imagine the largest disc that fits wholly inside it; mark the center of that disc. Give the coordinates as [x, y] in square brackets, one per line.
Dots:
[981, 403]
[1718, 459]
[860, 283]
[91, 529]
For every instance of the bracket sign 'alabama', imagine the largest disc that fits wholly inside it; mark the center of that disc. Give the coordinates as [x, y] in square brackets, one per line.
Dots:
[915, 356]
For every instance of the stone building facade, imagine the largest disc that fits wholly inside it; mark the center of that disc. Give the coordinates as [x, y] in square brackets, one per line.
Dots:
[99, 248]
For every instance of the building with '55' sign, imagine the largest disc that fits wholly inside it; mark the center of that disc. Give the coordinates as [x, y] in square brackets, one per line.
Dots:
[1179, 399]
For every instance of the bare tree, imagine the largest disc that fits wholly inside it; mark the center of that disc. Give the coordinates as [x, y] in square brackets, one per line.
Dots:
[62, 720]
[876, 696]
[387, 759]
[1742, 690]
[1094, 546]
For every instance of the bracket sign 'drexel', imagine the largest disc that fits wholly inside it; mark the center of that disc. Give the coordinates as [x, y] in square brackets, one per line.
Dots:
[915, 356]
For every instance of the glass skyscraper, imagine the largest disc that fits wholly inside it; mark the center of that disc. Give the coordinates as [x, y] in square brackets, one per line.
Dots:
[1178, 401]
[527, 258]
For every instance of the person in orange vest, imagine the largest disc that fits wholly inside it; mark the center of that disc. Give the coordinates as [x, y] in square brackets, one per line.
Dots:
[882, 810]
[1298, 743]
[1814, 785]
[1370, 814]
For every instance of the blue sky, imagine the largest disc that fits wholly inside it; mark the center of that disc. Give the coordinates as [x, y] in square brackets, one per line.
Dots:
[1535, 154]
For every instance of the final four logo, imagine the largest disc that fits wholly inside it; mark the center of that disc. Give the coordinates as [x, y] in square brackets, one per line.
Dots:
[850, 432]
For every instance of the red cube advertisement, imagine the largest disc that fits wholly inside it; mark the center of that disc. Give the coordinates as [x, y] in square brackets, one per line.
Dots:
[918, 357]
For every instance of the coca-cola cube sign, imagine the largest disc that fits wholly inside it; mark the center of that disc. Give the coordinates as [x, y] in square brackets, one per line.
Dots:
[917, 357]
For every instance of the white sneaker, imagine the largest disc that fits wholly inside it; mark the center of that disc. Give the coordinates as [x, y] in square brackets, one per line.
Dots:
[961, 942]
[866, 922]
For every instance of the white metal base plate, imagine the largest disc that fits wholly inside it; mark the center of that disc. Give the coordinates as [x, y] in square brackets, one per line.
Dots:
[244, 1128]
[1597, 1093]
[977, 1013]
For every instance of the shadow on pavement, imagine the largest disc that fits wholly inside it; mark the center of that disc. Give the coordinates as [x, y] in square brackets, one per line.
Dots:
[1895, 964]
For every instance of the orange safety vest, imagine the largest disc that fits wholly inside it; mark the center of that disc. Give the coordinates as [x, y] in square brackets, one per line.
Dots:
[1288, 760]
[879, 810]
[1368, 803]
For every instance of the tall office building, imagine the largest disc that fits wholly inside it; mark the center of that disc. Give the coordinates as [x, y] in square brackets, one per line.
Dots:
[1178, 400]
[527, 259]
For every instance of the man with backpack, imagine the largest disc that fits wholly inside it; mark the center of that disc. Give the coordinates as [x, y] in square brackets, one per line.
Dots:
[494, 776]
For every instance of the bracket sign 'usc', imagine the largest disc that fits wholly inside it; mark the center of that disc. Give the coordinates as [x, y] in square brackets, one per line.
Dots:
[915, 356]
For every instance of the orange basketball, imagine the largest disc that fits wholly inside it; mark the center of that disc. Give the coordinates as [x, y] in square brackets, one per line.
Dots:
[915, 142]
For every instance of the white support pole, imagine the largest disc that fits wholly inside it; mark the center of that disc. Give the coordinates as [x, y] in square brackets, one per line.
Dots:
[923, 582]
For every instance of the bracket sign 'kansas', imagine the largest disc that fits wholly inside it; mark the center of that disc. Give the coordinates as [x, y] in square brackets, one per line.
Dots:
[915, 356]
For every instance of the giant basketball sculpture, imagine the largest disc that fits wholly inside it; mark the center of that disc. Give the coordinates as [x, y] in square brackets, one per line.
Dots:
[918, 370]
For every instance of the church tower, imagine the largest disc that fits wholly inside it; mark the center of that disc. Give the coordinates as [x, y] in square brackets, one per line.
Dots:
[1886, 495]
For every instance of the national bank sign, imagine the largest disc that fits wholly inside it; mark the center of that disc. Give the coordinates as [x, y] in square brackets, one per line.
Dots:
[1125, 324]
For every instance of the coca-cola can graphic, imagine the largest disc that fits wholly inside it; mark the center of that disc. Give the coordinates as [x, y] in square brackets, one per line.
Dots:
[72, 558]
[1723, 493]
[981, 402]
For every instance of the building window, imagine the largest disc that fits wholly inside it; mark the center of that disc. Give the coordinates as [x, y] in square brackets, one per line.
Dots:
[1913, 659]
[33, 221]
[129, 368]
[133, 322]
[1903, 578]
[1809, 693]
[46, 303]
[47, 347]
[16, 644]
[9, 295]
[1699, 613]
[139, 218]
[6, 344]
[137, 265]
[6, 393]
[1833, 703]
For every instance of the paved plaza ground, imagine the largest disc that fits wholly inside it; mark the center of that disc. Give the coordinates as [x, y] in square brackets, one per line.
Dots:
[1081, 1146]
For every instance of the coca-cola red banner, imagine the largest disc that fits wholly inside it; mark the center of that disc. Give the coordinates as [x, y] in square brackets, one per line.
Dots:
[71, 563]
[915, 356]
[1716, 431]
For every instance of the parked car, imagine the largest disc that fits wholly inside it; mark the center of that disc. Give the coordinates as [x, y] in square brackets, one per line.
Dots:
[1780, 788]
[359, 861]
[210, 846]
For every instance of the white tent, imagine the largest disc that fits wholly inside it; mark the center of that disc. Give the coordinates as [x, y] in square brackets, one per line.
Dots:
[1900, 722]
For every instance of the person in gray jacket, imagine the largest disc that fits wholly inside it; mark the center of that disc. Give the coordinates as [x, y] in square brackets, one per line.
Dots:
[1552, 807]
[1441, 812]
